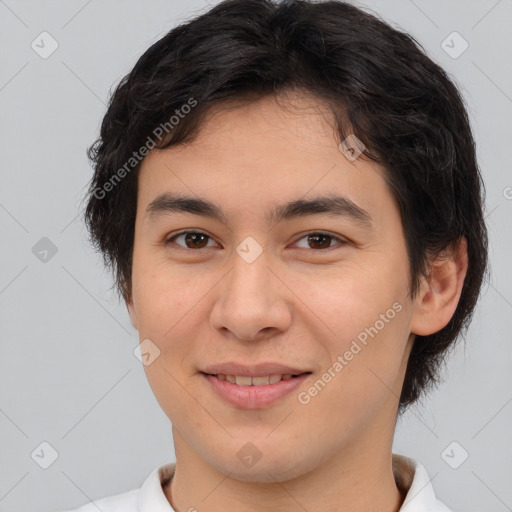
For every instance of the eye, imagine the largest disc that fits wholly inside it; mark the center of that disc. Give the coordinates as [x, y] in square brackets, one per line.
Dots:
[315, 241]
[319, 241]
[191, 240]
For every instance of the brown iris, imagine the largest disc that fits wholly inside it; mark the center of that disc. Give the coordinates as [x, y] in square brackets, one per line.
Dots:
[314, 239]
[199, 240]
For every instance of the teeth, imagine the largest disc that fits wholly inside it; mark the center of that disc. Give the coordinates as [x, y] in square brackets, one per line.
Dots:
[260, 381]
[244, 380]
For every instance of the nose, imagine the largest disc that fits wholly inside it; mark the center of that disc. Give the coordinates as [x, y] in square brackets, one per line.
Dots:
[251, 302]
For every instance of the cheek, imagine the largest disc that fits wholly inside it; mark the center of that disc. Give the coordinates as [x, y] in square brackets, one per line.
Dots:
[355, 297]
[162, 296]
[159, 309]
[365, 318]
[168, 311]
[362, 372]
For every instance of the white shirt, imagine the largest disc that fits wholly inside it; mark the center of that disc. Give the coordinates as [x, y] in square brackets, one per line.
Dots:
[409, 474]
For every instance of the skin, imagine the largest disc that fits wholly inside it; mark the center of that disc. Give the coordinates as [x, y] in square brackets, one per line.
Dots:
[291, 305]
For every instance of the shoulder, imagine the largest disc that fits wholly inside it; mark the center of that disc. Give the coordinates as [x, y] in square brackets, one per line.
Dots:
[150, 497]
[123, 502]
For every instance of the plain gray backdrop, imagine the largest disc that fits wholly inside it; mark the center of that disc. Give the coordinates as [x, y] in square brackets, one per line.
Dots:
[68, 375]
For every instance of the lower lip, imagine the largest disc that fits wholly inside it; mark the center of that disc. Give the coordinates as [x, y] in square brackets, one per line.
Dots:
[254, 397]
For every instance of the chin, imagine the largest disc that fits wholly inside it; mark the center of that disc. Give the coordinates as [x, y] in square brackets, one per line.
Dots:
[272, 465]
[264, 473]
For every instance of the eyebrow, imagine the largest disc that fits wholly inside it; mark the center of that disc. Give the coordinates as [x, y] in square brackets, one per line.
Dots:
[336, 206]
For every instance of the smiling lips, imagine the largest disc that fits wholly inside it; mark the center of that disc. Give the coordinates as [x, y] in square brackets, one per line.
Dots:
[246, 380]
[255, 386]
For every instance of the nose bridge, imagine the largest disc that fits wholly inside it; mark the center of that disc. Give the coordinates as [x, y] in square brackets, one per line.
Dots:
[248, 281]
[249, 301]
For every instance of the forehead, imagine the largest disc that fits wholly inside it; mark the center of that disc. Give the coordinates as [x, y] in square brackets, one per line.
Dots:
[260, 153]
[298, 120]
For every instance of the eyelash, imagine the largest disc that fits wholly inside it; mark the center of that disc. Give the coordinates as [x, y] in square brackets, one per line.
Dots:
[341, 241]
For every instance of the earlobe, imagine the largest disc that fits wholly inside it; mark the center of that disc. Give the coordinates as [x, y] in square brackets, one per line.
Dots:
[440, 290]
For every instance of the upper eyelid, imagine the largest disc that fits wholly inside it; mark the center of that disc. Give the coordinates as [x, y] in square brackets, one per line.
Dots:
[321, 232]
[198, 231]
[340, 239]
[168, 238]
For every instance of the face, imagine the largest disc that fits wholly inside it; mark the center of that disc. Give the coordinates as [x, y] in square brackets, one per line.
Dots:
[266, 277]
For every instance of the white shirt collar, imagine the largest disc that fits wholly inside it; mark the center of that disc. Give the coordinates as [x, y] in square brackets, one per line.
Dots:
[412, 476]
[409, 474]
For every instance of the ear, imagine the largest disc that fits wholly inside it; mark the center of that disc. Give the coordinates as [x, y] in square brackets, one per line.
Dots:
[440, 290]
[131, 311]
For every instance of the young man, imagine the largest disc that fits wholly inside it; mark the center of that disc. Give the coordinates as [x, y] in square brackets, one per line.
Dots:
[289, 197]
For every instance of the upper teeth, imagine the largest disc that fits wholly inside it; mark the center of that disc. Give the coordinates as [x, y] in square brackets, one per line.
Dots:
[244, 380]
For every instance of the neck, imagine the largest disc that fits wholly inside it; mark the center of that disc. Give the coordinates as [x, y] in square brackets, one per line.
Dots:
[357, 479]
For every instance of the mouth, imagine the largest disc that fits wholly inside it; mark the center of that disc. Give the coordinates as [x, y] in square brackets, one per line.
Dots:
[254, 391]
[247, 380]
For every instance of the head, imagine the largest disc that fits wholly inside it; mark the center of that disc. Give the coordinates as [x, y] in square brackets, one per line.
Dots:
[234, 127]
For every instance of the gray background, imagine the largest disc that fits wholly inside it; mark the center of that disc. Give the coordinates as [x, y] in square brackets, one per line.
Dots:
[68, 375]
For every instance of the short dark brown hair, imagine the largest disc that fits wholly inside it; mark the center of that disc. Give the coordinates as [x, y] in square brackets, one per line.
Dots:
[380, 85]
